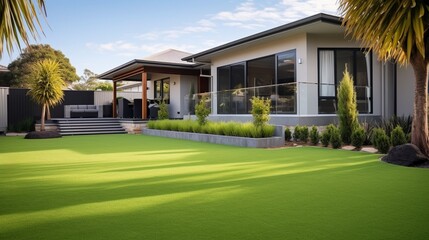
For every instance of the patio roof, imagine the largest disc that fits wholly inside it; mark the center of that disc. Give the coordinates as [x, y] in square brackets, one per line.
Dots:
[168, 61]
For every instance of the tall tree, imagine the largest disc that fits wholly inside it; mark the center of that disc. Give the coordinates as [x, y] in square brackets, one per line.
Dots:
[16, 18]
[46, 86]
[399, 30]
[89, 81]
[21, 67]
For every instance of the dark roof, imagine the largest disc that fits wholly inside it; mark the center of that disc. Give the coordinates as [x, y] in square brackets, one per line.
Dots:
[321, 17]
[141, 62]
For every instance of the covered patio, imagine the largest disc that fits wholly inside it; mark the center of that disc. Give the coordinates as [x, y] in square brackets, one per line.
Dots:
[151, 74]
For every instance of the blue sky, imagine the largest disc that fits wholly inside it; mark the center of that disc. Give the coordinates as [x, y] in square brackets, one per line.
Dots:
[102, 34]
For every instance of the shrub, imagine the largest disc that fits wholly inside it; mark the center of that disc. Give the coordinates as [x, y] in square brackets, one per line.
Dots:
[304, 134]
[314, 135]
[163, 111]
[331, 127]
[397, 136]
[202, 111]
[389, 124]
[267, 130]
[347, 108]
[335, 138]
[260, 111]
[358, 137]
[297, 133]
[376, 134]
[383, 143]
[325, 138]
[288, 134]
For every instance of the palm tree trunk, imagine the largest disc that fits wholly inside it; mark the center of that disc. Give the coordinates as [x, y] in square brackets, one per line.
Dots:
[42, 120]
[48, 112]
[419, 133]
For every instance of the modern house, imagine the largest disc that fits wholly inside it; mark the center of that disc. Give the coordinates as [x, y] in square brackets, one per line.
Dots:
[297, 65]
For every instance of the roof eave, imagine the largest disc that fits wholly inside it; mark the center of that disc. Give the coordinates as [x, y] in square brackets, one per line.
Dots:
[322, 17]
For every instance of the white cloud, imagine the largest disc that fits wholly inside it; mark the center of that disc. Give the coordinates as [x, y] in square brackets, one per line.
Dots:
[253, 15]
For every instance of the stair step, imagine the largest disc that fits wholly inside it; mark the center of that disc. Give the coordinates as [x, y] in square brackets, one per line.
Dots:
[91, 133]
[91, 126]
[91, 129]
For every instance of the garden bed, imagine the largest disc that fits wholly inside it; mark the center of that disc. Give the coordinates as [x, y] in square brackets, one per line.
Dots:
[270, 142]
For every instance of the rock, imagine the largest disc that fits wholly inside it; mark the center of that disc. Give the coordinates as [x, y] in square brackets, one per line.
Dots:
[406, 155]
[42, 135]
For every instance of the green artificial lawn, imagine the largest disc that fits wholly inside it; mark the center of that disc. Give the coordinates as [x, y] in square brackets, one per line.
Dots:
[141, 187]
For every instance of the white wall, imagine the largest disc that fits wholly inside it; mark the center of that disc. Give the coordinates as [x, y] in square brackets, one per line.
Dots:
[3, 108]
[405, 90]
[174, 106]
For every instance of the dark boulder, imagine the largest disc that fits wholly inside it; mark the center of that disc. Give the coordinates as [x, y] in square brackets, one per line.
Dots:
[42, 135]
[406, 155]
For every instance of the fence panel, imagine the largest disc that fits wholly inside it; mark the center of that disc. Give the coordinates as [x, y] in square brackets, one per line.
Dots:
[4, 91]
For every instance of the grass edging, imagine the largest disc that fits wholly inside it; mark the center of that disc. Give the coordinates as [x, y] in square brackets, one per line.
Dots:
[276, 141]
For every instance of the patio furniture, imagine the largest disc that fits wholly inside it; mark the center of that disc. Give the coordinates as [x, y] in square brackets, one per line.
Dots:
[125, 109]
[83, 111]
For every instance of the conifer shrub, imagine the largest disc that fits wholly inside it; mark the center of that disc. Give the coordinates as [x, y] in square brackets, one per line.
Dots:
[325, 138]
[397, 136]
[202, 111]
[314, 135]
[163, 111]
[260, 111]
[303, 136]
[383, 143]
[347, 108]
[335, 138]
[288, 134]
[297, 133]
[358, 137]
[376, 135]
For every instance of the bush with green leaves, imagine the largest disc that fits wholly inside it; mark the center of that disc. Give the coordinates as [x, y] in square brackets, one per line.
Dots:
[314, 135]
[358, 137]
[325, 138]
[202, 111]
[376, 135]
[297, 133]
[347, 108]
[303, 134]
[335, 138]
[397, 136]
[383, 143]
[260, 111]
[288, 134]
[163, 111]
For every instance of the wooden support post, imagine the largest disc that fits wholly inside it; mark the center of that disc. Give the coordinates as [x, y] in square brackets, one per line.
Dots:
[144, 95]
[114, 100]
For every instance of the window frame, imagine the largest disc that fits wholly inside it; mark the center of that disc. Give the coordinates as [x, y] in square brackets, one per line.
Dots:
[336, 81]
[161, 89]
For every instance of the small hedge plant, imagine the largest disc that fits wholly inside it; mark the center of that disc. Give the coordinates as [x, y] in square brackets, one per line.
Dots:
[358, 137]
[325, 138]
[335, 138]
[314, 135]
[301, 133]
[383, 143]
[397, 136]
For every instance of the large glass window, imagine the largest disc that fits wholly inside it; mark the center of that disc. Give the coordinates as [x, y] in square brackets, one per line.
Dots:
[231, 99]
[332, 64]
[162, 90]
[272, 77]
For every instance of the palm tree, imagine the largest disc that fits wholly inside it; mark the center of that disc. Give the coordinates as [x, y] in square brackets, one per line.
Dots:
[399, 30]
[47, 85]
[16, 18]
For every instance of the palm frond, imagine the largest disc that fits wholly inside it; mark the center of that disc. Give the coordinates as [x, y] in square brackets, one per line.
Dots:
[393, 29]
[18, 16]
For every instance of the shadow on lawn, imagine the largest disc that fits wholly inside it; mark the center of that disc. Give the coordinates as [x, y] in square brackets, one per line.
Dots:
[159, 188]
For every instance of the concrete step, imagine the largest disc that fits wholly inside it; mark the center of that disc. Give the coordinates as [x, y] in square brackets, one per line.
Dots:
[91, 133]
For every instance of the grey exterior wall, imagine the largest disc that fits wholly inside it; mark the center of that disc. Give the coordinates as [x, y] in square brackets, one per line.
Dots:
[185, 88]
[3, 108]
